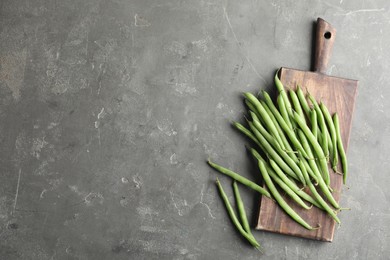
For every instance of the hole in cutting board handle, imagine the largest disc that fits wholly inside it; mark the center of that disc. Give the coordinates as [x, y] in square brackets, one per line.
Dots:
[327, 35]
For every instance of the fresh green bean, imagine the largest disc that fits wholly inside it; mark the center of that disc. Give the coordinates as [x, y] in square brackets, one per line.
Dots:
[285, 144]
[262, 130]
[340, 146]
[316, 195]
[263, 114]
[321, 122]
[282, 92]
[314, 125]
[317, 148]
[246, 132]
[240, 208]
[289, 150]
[282, 203]
[290, 162]
[288, 190]
[240, 179]
[271, 152]
[296, 104]
[292, 184]
[290, 133]
[321, 182]
[252, 108]
[332, 132]
[273, 168]
[303, 101]
[283, 111]
[234, 219]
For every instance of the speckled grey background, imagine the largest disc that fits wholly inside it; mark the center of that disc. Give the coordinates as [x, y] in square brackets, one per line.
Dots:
[109, 110]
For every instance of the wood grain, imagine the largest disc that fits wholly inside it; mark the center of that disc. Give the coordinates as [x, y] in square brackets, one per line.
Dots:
[339, 96]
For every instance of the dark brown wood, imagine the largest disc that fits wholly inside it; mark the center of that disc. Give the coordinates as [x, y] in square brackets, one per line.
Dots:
[325, 36]
[339, 96]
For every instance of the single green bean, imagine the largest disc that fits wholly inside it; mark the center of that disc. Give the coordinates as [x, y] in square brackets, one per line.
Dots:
[296, 104]
[240, 179]
[282, 203]
[290, 162]
[234, 219]
[340, 146]
[303, 101]
[321, 182]
[246, 132]
[271, 152]
[332, 132]
[317, 148]
[321, 122]
[241, 208]
[316, 195]
[264, 115]
[290, 133]
[283, 111]
[314, 125]
[283, 93]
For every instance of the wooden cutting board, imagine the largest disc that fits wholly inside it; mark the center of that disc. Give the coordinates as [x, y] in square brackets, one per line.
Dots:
[339, 96]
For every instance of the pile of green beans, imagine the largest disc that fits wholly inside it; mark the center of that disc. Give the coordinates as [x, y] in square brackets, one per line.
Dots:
[296, 138]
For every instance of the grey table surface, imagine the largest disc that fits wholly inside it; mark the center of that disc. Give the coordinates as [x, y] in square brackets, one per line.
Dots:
[109, 110]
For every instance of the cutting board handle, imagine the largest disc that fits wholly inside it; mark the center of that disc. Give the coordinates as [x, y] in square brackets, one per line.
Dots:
[325, 36]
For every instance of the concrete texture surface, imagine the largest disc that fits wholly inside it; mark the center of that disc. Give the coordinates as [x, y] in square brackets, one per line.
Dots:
[109, 110]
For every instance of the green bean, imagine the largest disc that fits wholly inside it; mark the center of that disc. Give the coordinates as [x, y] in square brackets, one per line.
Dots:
[288, 190]
[289, 150]
[282, 203]
[296, 104]
[314, 125]
[282, 92]
[332, 131]
[285, 144]
[310, 171]
[316, 195]
[292, 184]
[303, 101]
[233, 217]
[340, 146]
[290, 162]
[291, 192]
[271, 152]
[249, 134]
[246, 132]
[267, 120]
[321, 122]
[321, 182]
[317, 148]
[252, 108]
[283, 111]
[240, 208]
[283, 124]
[262, 130]
[273, 167]
[240, 179]
[330, 144]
